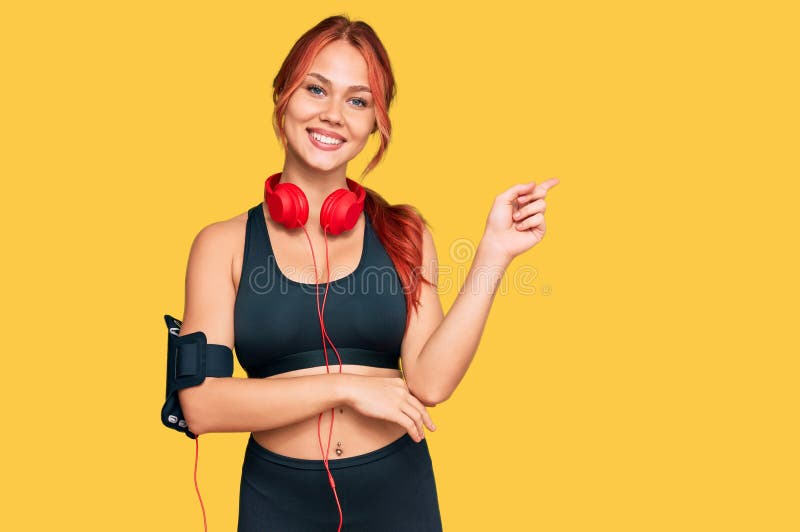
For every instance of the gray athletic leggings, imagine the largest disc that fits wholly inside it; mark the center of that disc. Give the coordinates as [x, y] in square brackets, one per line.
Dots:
[385, 490]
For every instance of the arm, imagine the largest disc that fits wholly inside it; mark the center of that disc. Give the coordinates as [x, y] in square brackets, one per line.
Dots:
[228, 404]
[446, 345]
[440, 349]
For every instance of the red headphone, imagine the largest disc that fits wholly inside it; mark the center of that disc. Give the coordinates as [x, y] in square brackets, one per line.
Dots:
[288, 205]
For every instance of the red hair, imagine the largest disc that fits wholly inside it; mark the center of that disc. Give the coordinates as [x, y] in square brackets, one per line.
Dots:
[399, 227]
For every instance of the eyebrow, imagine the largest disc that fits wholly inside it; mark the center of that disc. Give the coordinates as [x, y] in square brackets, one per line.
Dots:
[323, 79]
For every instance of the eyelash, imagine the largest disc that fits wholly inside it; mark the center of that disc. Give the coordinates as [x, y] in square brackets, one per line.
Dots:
[315, 86]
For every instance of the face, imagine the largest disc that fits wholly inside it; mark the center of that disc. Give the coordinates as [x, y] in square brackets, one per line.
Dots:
[329, 117]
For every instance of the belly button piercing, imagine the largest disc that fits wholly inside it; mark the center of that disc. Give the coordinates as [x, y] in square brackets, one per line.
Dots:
[338, 448]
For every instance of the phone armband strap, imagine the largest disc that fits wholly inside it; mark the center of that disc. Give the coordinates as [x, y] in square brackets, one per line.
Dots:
[190, 359]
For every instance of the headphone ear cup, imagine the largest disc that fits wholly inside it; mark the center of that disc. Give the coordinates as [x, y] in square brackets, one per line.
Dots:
[288, 205]
[300, 204]
[339, 211]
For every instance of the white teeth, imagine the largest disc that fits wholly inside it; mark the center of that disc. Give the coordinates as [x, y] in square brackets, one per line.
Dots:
[324, 139]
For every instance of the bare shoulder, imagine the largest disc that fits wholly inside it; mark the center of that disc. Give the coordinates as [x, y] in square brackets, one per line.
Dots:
[221, 236]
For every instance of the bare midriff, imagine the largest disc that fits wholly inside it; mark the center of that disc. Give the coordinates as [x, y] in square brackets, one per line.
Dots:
[357, 433]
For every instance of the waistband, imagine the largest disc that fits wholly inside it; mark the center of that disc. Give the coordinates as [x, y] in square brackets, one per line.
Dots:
[254, 449]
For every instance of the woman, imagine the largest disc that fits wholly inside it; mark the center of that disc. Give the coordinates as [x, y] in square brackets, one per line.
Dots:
[250, 284]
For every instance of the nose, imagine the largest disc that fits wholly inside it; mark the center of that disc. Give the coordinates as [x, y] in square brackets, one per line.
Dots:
[331, 113]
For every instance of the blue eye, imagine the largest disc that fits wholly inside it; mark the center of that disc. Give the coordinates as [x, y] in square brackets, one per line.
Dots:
[363, 102]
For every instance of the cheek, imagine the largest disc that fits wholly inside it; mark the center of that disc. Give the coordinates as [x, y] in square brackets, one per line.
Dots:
[300, 110]
[360, 137]
[296, 116]
[363, 126]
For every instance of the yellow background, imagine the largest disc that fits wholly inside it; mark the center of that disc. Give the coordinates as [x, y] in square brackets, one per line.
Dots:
[649, 383]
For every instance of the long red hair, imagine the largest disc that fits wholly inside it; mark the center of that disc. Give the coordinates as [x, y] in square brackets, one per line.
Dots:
[399, 227]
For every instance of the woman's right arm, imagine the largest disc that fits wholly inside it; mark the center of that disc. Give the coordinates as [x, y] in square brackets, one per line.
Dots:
[229, 404]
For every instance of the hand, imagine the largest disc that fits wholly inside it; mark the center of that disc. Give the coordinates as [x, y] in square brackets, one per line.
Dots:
[516, 221]
[388, 398]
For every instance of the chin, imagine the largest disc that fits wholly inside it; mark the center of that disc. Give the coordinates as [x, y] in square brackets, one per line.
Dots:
[324, 163]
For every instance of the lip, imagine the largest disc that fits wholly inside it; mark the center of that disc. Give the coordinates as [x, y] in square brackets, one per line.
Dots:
[327, 133]
[320, 145]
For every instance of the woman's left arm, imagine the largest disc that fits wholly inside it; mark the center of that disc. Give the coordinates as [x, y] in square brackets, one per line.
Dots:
[438, 349]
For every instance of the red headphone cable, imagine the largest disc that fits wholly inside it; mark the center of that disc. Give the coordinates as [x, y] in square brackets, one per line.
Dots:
[203, 508]
[320, 313]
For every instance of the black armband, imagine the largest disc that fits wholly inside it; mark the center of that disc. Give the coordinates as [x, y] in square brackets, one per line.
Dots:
[190, 359]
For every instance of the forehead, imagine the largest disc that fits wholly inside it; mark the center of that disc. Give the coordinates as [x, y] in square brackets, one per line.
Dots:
[341, 63]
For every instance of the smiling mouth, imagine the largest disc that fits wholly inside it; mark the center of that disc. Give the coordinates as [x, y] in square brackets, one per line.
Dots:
[324, 142]
[330, 141]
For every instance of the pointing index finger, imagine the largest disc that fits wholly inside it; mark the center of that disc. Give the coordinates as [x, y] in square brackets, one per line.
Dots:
[542, 188]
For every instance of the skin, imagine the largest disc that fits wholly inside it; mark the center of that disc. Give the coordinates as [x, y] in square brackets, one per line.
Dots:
[372, 406]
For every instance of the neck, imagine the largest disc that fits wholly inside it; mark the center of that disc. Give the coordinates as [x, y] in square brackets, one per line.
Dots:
[315, 183]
